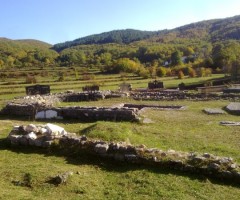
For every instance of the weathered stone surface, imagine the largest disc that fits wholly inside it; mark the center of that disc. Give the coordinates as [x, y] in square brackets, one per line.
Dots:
[214, 166]
[206, 155]
[46, 144]
[43, 130]
[62, 178]
[213, 111]
[38, 142]
[229, 123]
[233, 108]
[54, 129]
[31, 128]
[119, 157]
[131, 158]
[23, 140]
[31, 135]
[14, 139]
[101, 148]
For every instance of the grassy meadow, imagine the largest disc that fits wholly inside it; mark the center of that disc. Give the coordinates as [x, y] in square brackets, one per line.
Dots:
[188, 130]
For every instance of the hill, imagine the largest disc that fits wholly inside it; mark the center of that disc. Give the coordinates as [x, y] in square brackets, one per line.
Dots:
[210, 31]
[116, 36]
[25, 53]
[209, 44]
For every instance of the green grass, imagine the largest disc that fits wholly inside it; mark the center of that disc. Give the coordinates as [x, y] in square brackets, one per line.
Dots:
[95, 178]
[186, 130]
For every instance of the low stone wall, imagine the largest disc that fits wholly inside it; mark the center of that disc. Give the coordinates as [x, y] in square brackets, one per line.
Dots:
[95, 113]
[182, 96]
[141, 106]
[87, 114]
[24, 110]
[211, 89]
[81, 96]
[209, 165]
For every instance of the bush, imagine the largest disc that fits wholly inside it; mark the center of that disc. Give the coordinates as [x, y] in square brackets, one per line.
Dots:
[30, 79]
[144, 73]
[208, 72]
[44, 73]
[88, 77]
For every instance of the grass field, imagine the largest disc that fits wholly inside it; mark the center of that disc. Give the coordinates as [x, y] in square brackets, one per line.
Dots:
[188, 130]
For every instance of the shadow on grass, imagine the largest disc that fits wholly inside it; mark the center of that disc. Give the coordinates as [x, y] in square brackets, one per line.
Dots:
[109, 165]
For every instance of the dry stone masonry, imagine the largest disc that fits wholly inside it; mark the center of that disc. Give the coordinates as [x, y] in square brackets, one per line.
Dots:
[181, 95]
[46, 135]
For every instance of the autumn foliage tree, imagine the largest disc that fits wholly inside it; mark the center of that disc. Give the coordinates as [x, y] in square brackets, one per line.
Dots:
[180, 74]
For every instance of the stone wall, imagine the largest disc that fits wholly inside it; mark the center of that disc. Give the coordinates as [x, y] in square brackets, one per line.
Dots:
[183, 95]
[81, 96]
[95, 113]
[206, 164]
[41, 111]
[24, 110]
[141, 106]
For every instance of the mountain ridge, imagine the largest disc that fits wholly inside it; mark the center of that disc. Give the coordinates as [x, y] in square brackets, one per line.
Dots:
[215, 29]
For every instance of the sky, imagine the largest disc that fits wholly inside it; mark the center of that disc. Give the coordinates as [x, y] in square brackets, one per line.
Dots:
[56, 21]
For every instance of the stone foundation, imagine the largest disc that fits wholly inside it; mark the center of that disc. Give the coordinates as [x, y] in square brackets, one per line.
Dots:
[207, 164]
[180, 95]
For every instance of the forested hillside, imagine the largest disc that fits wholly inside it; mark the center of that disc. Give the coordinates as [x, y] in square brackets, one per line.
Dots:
[194, 49]
[25, 53]
[117, 36]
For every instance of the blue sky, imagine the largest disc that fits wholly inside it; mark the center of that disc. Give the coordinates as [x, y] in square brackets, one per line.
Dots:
[55, 21]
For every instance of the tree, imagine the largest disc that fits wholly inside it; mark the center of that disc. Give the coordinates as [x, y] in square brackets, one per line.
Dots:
[152, 71]
[226, 55]
[176, 58]
[191, 72]
[161, 71]
[180, 75]
[143, 72]
[208, 72]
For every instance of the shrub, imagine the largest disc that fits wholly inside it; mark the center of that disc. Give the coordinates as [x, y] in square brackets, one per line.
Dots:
[144, 73]
[30, 79]
[88, 77]
[208, 72]
[202, 72]
[44, 73]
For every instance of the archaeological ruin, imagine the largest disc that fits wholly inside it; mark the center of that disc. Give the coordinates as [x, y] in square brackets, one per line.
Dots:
[49, 135]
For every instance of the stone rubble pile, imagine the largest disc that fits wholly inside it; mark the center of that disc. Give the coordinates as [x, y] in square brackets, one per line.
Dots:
[37, 100]
[207, 164]
[36, 135]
